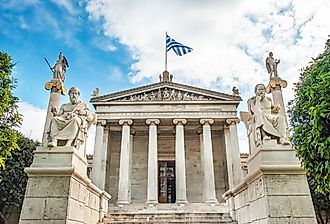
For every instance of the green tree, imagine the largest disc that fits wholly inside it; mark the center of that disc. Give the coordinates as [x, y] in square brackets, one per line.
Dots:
[14, 179]
[9, 116]
[310, 119]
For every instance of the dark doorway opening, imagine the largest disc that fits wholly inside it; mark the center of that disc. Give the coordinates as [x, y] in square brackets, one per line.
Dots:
[166, 182]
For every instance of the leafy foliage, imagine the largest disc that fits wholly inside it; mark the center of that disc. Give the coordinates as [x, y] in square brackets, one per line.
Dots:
[310, 119]
[14, 180]
[9, 116]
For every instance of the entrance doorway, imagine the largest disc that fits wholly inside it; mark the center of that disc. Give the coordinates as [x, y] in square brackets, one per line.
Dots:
[166, 182]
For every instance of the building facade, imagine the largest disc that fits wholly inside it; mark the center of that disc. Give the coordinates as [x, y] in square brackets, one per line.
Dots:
[166, 143]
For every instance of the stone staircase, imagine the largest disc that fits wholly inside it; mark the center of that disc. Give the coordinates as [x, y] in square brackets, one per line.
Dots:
[169, 213]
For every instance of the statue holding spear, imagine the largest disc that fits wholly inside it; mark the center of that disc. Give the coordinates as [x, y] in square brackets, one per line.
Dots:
[59, 68]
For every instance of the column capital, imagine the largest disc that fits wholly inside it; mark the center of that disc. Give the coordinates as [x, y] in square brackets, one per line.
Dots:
[206, 121]
[101, 122]
[127, 122]
[276, 83]
[152, 121]
[232, 121]
[180, 121]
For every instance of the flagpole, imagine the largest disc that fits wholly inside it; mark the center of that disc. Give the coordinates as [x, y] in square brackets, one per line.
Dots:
[165, 52]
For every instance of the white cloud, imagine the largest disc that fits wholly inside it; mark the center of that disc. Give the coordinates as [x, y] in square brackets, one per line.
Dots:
[231, 39]
[33, 120]
[67, 4]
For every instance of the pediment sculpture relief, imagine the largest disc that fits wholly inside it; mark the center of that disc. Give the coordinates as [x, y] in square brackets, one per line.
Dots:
[166, 94]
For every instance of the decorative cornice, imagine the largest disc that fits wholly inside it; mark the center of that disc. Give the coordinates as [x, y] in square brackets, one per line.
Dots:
[158, 115]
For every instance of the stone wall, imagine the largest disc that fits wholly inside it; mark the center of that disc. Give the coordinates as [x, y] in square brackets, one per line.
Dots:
[194, 172]
[58, 190]
[112, 171]
[139, 177]
[275, 199]
[220, 168]
[275, 189]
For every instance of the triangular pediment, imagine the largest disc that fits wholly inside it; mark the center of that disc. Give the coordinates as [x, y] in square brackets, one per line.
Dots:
[165, 91]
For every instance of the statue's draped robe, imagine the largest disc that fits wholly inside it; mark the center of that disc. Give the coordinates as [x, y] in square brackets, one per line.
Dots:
[59, 70]
[64, 127]
[263, 119]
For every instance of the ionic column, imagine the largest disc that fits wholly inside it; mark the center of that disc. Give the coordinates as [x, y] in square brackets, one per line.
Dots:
[97, 155]
[180, 162]
[152, 193]
[232, 153]
[124, 171]
[209, 184]
[56, 87]
[104, 152]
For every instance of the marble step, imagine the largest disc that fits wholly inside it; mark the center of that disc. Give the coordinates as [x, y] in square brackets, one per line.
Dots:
[167, 218]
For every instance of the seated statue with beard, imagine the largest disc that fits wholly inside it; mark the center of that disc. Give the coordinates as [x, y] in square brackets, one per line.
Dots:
[71, 123]
[265, 122]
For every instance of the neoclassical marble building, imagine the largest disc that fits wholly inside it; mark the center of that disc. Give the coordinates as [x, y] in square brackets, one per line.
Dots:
[166, 143]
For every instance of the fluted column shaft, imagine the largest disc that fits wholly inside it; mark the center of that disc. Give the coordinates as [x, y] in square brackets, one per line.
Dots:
[233, 153]
[209, 184]
[97, 155]
[152, 194]
[124, 166]
[180, 162]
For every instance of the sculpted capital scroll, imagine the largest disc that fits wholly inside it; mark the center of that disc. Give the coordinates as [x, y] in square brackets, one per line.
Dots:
[232, 121]
[126, 122]
[180, 121]
[152, 121]
[206, 121]
[101, 123]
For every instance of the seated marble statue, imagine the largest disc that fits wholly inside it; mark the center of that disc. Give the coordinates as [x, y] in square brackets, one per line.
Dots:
[265, 121]
[71, 123]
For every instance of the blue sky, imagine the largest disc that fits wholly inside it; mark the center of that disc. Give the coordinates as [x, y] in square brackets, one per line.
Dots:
[116, 45]
[30, 32]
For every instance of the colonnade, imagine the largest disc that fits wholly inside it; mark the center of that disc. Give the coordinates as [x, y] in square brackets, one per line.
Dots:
[232, 154]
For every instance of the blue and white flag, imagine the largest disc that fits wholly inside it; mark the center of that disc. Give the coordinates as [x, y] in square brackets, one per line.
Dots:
[177, 47]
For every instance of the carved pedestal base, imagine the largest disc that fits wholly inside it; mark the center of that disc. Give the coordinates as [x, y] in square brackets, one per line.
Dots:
[275, 189]
[58, 190]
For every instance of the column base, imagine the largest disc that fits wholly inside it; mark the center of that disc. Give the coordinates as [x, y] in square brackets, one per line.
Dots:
[212, 202]
[151, 203]
[181, 202]
[122, 203]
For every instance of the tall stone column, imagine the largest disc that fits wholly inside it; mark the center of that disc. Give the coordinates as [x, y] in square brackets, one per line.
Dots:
[124, 171]
[97, 175]
[152, 194]
[104, 153]
[232, 153]
[209, 184]
[275, 87]
[57, 89]
[180, 162]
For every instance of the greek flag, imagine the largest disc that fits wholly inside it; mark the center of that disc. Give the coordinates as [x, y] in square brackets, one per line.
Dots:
[177, 47]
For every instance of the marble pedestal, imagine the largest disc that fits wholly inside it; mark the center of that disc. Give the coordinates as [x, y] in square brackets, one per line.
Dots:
[58, 190]
[275, 189]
